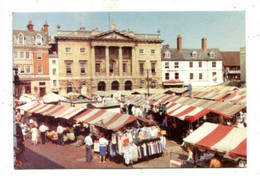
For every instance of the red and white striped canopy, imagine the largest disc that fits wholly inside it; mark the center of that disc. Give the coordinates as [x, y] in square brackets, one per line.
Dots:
[220, 138]
[185, 112]
[54, 110]
[107, 119]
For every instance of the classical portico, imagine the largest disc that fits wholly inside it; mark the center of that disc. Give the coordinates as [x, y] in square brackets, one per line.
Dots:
[115, 59]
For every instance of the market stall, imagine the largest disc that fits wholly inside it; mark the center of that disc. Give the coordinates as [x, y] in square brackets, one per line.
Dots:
[132, 138]
[230, 142]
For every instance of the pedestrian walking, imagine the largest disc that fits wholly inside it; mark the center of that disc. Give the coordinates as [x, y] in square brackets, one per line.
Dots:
[34, 132]
[43, 128]
[88, 142]
[102, 148]
[60, 134]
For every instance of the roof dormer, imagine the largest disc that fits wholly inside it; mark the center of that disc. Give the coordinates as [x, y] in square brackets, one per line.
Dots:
[211, 54]
[20, 39]
[38, 39]
[167, 54]
[194, 54]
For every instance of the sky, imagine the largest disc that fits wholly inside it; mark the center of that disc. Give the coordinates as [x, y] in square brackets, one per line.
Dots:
[223, 29]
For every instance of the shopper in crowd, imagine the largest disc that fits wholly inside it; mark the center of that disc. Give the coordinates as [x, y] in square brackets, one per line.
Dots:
[216, 161]
[43, 129]
[102, 148]
[18, 116]
[34, 132]
[88, 142]
[60, 135]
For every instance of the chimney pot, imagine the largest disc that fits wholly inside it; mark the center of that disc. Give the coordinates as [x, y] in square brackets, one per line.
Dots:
[204, 44]
[179, 43]
[30, 26]
[46, 27]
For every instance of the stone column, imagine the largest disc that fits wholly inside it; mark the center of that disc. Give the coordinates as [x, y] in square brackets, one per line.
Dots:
[133, 62]
[93, 61]
[120, 66]
[107, 60]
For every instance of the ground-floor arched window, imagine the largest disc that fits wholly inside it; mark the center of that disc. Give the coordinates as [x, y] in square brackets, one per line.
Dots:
[153, 84]
[101, 86]
[69, 88]
[115, 85]
[128, 85]
[142, 84]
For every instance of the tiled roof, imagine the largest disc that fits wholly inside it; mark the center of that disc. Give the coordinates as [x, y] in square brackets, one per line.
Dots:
[29, 37]
[231, 58]
[186, 54]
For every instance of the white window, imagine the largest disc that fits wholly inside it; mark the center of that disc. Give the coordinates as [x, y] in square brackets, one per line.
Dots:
[176, 76]
[167, 54]
[200, 76]
[191, 76]
[82, 50]
[54, 83]
[54, 71]
[39, 69]
[153, 84]
[20, 39]
[191, 64]
[200, 64]
[27, 55]
[167, 76]
[53, 61]
[214, 64]
[167, 65]
[21, 55]
[39, 56]
[28, 69]
[176, 64]
[68, 50]
[68, 68]
[82, 68]
[38, 40]
[141, 51]
[15, 55]
[22, 69]
[153, 51]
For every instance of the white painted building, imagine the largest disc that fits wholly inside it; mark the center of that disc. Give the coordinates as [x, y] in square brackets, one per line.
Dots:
[54, 72]
[200, 67]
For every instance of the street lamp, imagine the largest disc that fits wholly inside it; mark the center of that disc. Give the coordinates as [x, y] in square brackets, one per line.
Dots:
[18, 84]
[148, 81]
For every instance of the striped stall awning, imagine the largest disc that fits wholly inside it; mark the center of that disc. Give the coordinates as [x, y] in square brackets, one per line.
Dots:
[27, 106]
[55, 111]
[220, 138]
[186, 112]
[107, 119]
[225, 109]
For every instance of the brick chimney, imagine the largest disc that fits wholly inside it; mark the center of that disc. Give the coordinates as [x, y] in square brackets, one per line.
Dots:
[46, 27]
[204, 44]
[179, 43]
[30, 26]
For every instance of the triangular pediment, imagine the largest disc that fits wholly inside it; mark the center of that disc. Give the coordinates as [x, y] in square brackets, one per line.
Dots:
[113, 35]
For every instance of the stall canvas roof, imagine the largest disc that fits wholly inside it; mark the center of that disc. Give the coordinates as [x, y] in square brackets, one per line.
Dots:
[220, 138]
[54, 110]
[186, 112]
[27, 106]
[106, 119]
